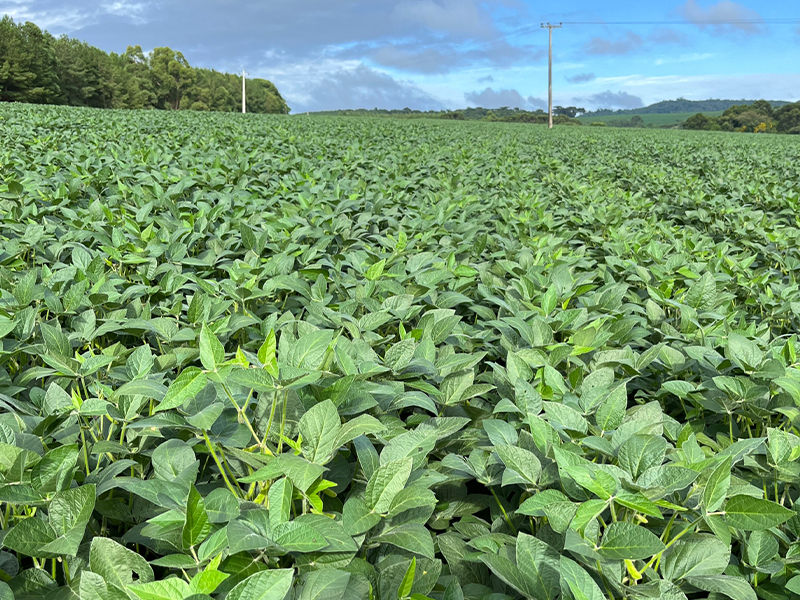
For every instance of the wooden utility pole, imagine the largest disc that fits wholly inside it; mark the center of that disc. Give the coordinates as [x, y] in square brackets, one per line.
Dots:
[244, 105]
[550, 27]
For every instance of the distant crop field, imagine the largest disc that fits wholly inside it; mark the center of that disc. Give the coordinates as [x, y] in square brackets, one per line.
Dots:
[250, 356]
[650, 119]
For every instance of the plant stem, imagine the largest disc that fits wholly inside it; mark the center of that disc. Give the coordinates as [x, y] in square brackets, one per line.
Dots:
[241, 413]
[283, 420]
[219, 464]
[85, 450]
[503, 510]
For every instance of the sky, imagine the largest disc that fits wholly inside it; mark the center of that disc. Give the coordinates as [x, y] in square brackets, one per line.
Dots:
[434, 54]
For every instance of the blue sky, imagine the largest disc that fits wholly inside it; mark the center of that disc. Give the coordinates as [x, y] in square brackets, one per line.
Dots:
[427, 54]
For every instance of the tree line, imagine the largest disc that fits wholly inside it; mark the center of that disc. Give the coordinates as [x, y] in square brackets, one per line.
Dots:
[681, 105]
[563, 115]
[37, 67]
[759, 117]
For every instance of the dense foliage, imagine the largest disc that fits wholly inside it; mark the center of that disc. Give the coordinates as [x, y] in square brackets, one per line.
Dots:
[681, 105]
[264, 357]
[39, 68]
[475, 113]
[758, 117]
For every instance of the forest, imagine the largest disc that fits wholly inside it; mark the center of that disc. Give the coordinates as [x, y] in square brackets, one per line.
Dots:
[37, 67]
[759, 117]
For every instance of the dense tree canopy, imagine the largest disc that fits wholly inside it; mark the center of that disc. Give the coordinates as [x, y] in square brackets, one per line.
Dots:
[39, 68]
[757, 117]
[681, 105]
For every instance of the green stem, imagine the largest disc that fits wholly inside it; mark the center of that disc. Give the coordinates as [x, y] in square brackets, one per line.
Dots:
[219, 464]
[271, 417]
[283, 420]
[686, 530]
[85, 450]
[241, 413]
[503, 510]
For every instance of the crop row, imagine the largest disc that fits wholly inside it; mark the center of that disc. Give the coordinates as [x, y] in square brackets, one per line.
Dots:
[269, 357]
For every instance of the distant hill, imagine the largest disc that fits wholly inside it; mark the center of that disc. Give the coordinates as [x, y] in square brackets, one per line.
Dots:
[681, 105]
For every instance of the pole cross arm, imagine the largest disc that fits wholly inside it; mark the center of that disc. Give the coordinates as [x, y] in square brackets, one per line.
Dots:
[550, 27]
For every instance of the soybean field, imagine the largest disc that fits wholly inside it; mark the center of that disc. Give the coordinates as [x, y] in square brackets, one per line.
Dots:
[273, 357]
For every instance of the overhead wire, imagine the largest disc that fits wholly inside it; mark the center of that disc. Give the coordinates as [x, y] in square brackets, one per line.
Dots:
[780, 21]
[412, 60]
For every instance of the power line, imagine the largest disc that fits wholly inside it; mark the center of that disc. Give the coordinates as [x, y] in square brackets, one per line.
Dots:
[781, 21]
[412, 60]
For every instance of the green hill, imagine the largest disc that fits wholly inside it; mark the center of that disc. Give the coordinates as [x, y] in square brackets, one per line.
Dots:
[681, 105]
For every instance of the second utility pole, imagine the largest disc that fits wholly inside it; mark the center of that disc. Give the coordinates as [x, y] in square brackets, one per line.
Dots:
[550, 27]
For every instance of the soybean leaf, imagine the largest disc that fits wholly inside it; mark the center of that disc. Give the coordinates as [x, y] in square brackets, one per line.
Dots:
[196, 526]
[385, 484]
[623, 540]
[754, 514]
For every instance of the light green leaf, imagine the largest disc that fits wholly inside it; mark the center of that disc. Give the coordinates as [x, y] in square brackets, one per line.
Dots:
[744, 352]
[375, 271]
[187, 385]
[206, 581]
[361, 425]
[717, 486]
[385, 484]
[641, 452]
[753, 514]
[762, 547]
[325, 584]
[196, 527]
[538, 562]
[267, 356]
[116, 564]
[411, 497]
[508, 572]
[212, 353]
[410, 536]
[408, 579]
[735, 588]
[319, 427]
[623, 540]
[695, 556]
[300, 472]
[357, 518]
[166, 589]
[611, 412]
[280, 501]
[578, 581]
[310, 349]
[520, 460]
[272, 584]
[299, 537]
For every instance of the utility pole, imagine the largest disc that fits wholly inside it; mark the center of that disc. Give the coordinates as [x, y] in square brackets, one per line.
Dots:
[244, 105]
[550, 27]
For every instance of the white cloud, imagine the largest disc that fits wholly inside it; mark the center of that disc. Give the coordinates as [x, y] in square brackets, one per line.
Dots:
[724, 17]
[609, 99]
[769, 86]
[464, 17]
[581, 78]
[134, 11]
[628, 44]
[684, 58]
[490, 98]
[64, 20]
[330, 84]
